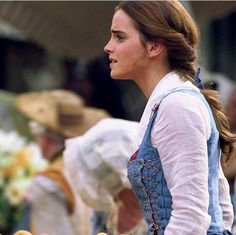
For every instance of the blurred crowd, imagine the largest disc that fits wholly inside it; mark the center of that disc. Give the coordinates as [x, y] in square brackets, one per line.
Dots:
[83, 188]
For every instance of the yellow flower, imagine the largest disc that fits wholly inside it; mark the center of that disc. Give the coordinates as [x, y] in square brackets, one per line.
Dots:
[22, 157]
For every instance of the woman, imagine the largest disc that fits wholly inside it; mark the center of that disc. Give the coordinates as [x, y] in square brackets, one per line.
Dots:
[176, 172]
[56, 115]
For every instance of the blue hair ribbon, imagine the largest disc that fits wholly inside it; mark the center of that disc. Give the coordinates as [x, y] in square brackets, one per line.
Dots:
[198, 80]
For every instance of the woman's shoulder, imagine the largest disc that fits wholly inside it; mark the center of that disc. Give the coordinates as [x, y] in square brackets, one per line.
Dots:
[180, 97]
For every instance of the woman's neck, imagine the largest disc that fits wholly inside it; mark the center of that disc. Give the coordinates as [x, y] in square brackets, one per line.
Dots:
[148, 81]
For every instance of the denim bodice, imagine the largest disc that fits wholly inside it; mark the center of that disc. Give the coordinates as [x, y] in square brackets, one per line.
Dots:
[148, 182]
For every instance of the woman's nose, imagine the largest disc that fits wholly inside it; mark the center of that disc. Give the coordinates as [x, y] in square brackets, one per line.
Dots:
[107, 47]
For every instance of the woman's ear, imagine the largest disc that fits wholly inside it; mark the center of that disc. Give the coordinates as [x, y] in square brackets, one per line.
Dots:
[155, 48]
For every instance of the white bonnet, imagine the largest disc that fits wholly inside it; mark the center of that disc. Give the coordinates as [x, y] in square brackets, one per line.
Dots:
[96, 162]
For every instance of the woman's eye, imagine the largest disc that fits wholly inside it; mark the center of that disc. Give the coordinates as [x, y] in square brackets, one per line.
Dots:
[120, 38]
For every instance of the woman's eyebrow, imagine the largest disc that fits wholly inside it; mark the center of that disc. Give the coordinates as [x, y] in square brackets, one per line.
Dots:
[117, 31]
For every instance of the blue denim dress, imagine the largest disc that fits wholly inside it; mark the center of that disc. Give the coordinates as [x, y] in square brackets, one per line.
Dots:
[148, 182]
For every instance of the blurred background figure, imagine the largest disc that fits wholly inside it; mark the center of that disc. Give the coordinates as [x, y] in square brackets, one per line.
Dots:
[55, 115]
[220, 82]
[231, 108]
[96, 162]
[230, 167]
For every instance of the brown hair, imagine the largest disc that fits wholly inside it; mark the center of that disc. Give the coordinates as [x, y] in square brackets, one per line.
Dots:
[169, 22]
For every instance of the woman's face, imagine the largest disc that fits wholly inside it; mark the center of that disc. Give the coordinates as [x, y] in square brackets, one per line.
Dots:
[48, 145]
[126, 52]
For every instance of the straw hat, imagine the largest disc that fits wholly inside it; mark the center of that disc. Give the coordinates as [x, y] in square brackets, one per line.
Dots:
[97, 161]
[61, 111]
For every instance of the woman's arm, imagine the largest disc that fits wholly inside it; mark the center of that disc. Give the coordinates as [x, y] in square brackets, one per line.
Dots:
[181, 131]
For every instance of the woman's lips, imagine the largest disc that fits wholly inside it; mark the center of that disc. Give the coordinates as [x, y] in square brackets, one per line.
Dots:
[112, 61]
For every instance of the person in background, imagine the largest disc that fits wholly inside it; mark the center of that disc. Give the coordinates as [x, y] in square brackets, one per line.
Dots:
[227, 93]
[96, 162]
[176, 172]
[231, 109]
[230, 166]
[54, 116]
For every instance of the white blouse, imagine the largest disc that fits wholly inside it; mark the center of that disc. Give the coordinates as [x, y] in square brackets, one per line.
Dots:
[180, 134]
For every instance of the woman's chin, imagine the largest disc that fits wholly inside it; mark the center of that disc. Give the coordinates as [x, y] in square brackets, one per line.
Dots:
[117, 76]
